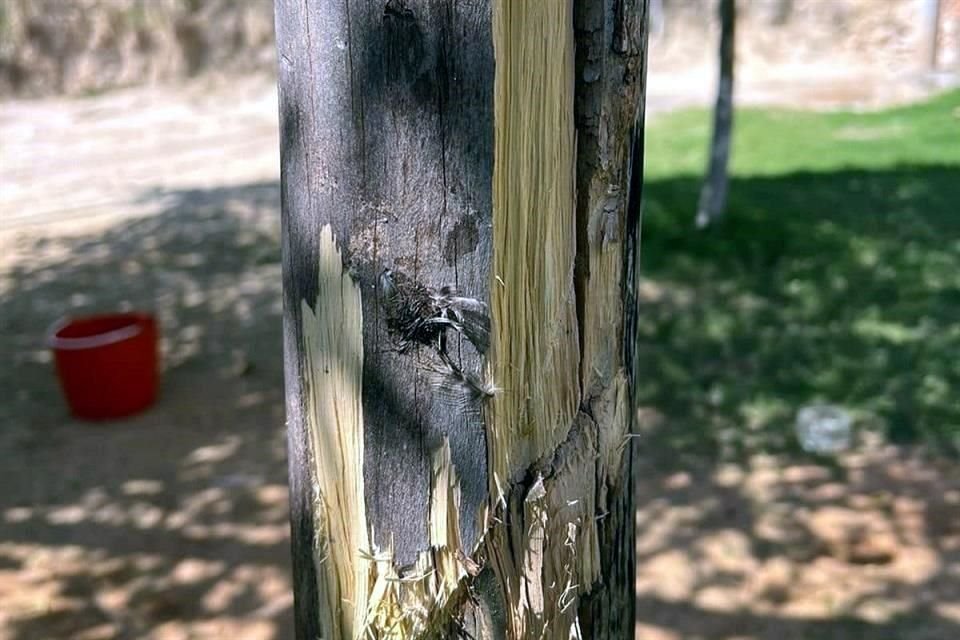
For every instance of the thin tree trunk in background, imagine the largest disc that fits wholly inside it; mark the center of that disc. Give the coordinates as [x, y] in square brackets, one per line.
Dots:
[930, 16]
[713, 195]
[460, 196]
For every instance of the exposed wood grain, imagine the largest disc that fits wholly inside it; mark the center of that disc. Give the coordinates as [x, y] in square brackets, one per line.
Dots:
[535, 349]
[332, 370]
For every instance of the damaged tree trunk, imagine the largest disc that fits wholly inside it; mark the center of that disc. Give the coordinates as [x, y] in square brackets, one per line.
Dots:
[460, 192]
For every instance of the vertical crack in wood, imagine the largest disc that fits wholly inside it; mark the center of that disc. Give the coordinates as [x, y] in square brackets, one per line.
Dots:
[606, 141]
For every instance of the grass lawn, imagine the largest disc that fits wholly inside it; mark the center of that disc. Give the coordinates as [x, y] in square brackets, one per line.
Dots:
[835, 276]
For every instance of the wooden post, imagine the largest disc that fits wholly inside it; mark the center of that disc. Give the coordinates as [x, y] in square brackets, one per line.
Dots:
[460, 194]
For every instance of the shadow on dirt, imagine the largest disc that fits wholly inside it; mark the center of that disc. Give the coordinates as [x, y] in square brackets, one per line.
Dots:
[783, 549]
[178, 517]
[837, 286]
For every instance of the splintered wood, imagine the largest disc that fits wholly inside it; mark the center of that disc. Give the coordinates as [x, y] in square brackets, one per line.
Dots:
[543, 543]
[535, 348]
[333, 345]
[361, 592]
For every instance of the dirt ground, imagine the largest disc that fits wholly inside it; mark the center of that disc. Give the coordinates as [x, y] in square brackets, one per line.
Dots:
[173, 524]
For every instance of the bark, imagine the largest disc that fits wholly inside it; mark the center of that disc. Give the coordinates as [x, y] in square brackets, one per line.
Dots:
[445, 479]
[713, 195]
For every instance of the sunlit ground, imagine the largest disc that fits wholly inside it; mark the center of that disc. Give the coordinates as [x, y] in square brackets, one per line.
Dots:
[174, 522]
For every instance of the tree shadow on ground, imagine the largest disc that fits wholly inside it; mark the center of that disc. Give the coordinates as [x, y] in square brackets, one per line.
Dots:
[841, 287]
[173, 521]
[777, 548]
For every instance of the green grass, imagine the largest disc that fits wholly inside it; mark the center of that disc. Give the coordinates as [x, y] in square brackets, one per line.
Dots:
[835, 276]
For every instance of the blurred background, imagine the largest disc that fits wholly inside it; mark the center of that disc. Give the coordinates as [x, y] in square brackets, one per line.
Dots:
[139, 169]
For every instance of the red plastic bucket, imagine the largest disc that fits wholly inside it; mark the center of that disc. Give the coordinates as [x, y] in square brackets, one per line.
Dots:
[107, 364]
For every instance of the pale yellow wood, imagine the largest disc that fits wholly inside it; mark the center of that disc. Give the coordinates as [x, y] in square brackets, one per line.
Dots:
[334, 414]
[535, 353]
